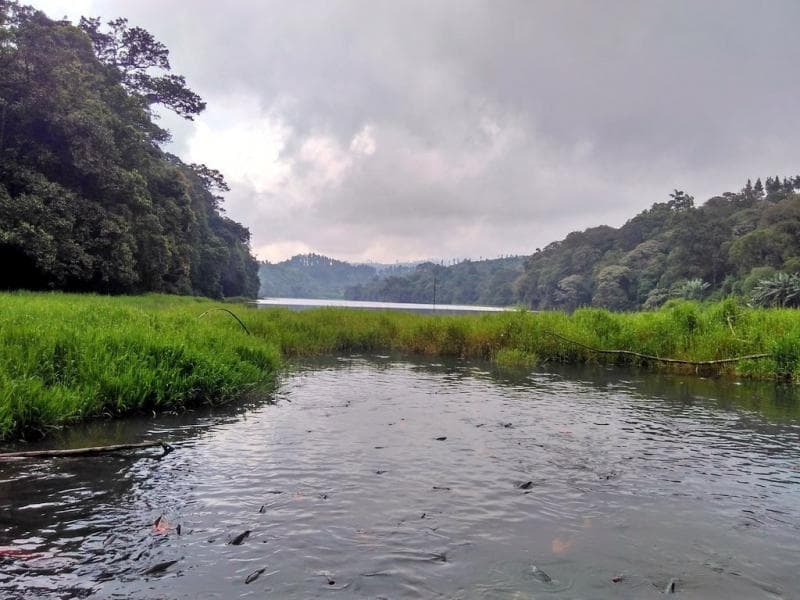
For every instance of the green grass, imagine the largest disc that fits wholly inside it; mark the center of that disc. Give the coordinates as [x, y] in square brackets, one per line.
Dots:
[66, 357]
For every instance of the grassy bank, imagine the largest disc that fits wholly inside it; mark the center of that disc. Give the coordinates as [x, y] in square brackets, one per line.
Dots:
[66, 357]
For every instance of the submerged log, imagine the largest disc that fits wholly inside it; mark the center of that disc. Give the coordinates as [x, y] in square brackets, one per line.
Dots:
[85, 451]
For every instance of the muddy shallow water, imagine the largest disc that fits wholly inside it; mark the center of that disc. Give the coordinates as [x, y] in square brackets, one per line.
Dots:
[572, 483]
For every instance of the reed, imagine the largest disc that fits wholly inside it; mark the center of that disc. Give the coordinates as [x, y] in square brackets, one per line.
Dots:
[69, 357]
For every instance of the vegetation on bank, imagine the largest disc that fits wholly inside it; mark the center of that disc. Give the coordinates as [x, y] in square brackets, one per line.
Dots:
[730, 245]
[89, 200]
[65, 358]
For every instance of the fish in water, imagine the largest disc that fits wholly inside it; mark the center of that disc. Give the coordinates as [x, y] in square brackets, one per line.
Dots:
[161, 525]
[441, 438]
[670, 589]
[239, 538]
[525, 486]
[160, 567]
[540, 575]
[9, 552]
[254, 575]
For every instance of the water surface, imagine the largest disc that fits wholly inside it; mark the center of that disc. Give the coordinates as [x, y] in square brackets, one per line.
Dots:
[305, 303]
[610, 482]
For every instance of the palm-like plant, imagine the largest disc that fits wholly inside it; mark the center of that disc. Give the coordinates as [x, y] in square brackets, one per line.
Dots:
[693, 289]
[782, 289]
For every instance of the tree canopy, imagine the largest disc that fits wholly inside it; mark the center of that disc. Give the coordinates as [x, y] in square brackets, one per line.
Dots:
[88, 199]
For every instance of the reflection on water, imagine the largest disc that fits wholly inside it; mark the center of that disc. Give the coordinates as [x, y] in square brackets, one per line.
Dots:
[610, 483]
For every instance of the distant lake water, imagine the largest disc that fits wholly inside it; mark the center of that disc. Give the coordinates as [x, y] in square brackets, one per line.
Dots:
[306, 303]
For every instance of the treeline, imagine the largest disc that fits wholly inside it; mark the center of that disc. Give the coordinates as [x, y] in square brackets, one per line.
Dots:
[728, 246]
[488, 282]
[743, 244]
[88, 199]
[311, 276]
[317, 276]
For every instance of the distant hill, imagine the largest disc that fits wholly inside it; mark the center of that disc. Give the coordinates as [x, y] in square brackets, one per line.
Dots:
[487, 282]
[674, 249]
[316, 276]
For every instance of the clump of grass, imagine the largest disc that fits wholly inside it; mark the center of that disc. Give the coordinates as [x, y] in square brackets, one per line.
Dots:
[65, 358]
[514, 358]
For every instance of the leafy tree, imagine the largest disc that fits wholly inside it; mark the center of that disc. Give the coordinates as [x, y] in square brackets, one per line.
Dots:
[88, 201]
[134, 54]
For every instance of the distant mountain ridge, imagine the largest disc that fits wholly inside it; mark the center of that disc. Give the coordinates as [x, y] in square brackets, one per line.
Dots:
[674, 249]
[317, 276]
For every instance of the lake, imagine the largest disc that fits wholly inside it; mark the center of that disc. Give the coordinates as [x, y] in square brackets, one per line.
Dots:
[389, 477]
[306, 303]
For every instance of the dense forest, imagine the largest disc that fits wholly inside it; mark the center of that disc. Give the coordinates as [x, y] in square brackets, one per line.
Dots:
[315, 276]
[731, 245]
[488, 282]
[89, 201]
[745, 244]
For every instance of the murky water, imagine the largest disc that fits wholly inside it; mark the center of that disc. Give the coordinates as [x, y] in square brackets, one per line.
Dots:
[611, 484]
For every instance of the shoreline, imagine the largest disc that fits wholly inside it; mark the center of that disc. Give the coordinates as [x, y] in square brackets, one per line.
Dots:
[66, 358]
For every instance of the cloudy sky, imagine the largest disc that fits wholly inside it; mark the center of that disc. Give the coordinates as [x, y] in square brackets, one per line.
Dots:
[403, 129]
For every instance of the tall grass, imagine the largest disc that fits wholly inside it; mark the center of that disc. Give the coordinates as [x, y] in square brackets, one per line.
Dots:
[65, 358]
[69, 357]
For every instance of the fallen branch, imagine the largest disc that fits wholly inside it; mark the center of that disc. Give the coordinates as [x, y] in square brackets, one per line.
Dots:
[85, 451]
[678, 361]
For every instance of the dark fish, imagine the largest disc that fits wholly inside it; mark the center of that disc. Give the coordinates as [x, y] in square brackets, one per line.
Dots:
[380, 472]
[441, 439]
[508, 425]
[239, 538]
[540, 575]
[670, 589]
[263, 508]
[6, 551]
[160, 567]
[525, 486]
[440, 487]
[254, 575]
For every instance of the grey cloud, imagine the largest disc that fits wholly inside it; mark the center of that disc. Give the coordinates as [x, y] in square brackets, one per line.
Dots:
[611, 105]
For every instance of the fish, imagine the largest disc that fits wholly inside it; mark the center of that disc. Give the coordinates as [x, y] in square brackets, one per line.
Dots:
[670, 589]
[9, 552]
[525, 486]
[254, 575]
[540, 575]
[160, 567]
[239, 538]
[161, 525]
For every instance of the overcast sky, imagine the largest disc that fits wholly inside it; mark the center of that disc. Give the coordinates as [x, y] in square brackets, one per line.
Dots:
[398, 130]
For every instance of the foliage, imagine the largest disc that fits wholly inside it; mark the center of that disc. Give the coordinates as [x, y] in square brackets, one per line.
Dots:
[65, 358]
[782, 289]
[487, 282]
[673, 249]
[88, 200]
[69, 357]
[315, 276]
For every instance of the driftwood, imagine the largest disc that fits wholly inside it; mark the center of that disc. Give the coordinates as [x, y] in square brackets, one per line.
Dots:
[85, 451]
[674, 361]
